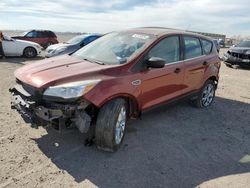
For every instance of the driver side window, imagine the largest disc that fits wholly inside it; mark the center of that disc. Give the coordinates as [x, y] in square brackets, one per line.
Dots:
[167, 49]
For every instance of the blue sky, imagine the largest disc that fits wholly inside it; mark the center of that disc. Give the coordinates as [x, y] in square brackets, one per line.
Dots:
[219, 16]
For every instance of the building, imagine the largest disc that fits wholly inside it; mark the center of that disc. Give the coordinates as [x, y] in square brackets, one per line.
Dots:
[212, 35]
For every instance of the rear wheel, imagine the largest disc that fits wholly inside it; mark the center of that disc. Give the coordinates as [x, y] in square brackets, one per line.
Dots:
[111, 125]
[30, 52]
[206, 95]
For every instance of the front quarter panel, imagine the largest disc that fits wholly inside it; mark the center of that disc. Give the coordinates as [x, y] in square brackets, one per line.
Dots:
[112, 88]
[22, 45]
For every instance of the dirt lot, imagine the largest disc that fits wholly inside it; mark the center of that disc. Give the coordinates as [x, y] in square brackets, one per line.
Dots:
[172, 146]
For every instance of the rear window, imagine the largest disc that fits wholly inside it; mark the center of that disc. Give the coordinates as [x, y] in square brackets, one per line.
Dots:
[192, 47]
[207, 46]
[47, 34]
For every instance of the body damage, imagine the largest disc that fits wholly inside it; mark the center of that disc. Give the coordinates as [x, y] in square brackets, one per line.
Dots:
[237, 56]
[141, 88]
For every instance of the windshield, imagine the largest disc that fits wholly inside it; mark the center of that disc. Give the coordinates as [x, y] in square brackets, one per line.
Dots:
[76, 39]
[115, 48]
[244, 44]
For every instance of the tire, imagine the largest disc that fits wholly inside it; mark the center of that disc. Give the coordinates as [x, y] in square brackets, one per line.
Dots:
[206, 96]
[111, 125]
[30, 52]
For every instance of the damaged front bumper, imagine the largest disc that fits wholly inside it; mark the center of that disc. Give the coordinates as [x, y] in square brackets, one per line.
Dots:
[232, 60]
[62, 114]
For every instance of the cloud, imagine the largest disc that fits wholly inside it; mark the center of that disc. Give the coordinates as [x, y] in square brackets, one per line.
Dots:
[224, 16]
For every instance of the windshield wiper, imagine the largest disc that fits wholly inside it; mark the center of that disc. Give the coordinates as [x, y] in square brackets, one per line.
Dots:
[94, 61]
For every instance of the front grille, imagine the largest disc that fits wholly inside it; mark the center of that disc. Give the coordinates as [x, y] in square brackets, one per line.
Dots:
[239, 55]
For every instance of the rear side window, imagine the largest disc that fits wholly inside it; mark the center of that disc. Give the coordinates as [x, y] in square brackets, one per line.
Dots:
[40, 34]
[207, 46]
[51, 34]
[45, 34]
[168, 49]
[192, 47]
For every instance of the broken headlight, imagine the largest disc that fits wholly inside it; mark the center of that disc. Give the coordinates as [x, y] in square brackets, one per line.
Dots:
[71, 90]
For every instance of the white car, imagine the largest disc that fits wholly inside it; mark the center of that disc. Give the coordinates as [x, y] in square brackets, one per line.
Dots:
[15, 47]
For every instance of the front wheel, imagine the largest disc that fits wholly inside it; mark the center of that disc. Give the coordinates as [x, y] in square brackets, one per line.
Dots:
[111, 125]
[206, 95]
[30, 52]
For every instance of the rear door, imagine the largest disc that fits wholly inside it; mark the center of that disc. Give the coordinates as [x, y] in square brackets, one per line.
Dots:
[162, 84]
[195, 63]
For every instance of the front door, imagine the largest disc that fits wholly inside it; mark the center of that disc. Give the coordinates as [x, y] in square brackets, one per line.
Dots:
[162, 84]
[9, 47]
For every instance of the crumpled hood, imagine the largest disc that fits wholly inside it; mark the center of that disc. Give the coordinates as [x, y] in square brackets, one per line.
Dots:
[59, 70]
[240, 50]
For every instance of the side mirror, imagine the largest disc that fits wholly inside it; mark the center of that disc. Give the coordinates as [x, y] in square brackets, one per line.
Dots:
[156, 62]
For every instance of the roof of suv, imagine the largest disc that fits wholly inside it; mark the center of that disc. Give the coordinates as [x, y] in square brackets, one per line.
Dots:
[41, 30]
[161, 31]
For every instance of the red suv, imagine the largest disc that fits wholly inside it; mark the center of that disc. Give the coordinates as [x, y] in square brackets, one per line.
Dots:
[99, 87]
[42, 37]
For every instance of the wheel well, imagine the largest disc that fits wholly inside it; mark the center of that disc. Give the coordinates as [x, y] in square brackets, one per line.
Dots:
[214, 79]
[29, 47]
[132, 103]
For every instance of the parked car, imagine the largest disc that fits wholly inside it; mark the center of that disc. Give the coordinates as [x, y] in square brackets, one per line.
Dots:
[43, 37]
[238, 55]
[221, 42]
[71, 45]
[117, 77]
[216, 45]
[15, 47]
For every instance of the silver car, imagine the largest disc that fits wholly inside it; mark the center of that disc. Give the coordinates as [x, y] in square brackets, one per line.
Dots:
[70, 46]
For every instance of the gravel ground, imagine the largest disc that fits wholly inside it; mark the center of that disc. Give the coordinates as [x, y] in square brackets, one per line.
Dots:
[172, 146]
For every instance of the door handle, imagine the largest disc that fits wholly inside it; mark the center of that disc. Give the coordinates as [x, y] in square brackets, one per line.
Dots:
[205, 63]
[177, 70]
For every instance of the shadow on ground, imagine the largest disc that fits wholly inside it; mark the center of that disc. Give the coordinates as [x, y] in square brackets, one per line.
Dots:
[172, 146]
[20, 60]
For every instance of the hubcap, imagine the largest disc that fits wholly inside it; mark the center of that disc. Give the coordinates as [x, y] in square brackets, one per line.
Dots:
[120, 125]
[30, 53]
[207, 95]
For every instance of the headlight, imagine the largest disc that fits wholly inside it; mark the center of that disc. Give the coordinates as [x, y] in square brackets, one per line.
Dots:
[59, 50]
[38, 46]
[71, 90]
